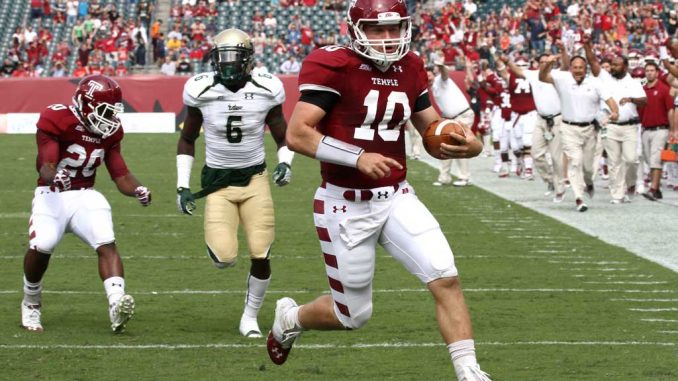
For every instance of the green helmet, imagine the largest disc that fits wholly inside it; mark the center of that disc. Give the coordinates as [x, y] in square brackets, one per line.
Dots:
[232, 56]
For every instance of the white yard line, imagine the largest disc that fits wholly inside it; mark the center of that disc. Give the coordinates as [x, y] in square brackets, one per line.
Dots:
[336, 346]
[377, 291]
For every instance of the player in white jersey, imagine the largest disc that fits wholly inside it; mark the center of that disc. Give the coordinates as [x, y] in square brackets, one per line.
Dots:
[233, 106]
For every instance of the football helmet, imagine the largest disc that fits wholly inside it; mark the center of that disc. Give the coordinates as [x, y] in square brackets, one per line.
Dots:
[98, 101]
[638, 73]
[232, 56]
[382, 52]
[635, 58]
[522, 62]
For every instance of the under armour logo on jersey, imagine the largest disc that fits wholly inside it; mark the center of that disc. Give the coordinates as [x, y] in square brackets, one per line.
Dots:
[397, 68]
[249, 95]
[93, 86]
[382, 194]
[365, 67]
[342, 209]
[80, 128]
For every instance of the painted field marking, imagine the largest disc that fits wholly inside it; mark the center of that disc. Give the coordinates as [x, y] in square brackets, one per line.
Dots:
[670, 300]
[336, 346]
[654, 309]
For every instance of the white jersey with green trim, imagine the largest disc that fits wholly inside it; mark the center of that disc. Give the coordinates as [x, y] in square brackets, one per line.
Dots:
[234, 122]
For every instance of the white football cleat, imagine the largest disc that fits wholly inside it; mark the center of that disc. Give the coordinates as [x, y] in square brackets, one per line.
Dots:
[121, 312]
[461, 183]
[283, 333]
[473, 373]
[30, 317]
[249, 327]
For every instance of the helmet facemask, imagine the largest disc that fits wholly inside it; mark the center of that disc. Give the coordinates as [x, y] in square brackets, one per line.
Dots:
[232, 64]
[381, 51]
[101, 118]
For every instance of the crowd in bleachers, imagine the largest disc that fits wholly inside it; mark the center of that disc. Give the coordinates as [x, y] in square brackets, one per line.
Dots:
[76, 37]
[61, 38]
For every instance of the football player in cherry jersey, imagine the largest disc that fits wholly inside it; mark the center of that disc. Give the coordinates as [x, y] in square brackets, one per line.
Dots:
[73, 141]
[518, 133]
[354, 103]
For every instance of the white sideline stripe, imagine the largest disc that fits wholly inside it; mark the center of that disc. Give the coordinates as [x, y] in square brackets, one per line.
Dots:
[380, 291]
[642, 300]
[661, 320]
[337, 346]
[591, 262]
[669, 332]
[201, 256]
[653, 309]
[627, 282]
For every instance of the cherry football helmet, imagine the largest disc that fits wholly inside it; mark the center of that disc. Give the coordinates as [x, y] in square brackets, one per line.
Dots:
[98, 101]
[382, 52]
[522, 62]
[635, 58]
[232, 56]
[639, 74]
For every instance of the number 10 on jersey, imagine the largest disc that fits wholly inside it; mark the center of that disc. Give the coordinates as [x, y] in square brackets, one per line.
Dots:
[365, 131]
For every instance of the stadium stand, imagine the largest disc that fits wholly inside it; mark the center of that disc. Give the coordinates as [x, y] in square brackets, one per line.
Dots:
[119, 30]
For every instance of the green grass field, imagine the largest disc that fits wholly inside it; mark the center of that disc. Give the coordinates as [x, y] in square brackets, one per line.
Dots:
[548, 302]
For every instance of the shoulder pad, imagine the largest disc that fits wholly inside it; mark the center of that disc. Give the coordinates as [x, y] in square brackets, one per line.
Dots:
[51, 119]
[271, 83]
[198, 84]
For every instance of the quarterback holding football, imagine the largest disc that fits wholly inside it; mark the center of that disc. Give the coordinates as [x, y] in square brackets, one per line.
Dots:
[354, 103]
[73, 141]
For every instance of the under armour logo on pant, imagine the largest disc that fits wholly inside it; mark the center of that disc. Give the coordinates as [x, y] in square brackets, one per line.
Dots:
[335, 209]
[382, 194]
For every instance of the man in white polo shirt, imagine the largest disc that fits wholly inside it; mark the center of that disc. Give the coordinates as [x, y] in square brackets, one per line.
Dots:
[621, 138]
[546, 134]
[453, 105]
[580, 96]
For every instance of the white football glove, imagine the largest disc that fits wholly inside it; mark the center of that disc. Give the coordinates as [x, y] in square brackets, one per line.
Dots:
[143, 195]
[282, 175]
[61, 181]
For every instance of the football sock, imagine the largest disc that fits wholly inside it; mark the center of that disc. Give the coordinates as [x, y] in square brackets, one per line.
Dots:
[463, 354]
[256, 291]
[528, 162]
[115, 289]
[32, 292]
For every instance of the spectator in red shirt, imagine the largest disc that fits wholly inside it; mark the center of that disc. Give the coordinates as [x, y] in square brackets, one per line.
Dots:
[121, 70]
[655, 126]
[80, 70]
[95, 68]
[306, 38]
[450, 53]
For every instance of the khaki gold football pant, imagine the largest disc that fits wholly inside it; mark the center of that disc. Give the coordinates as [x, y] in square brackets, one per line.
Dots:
[551, 173]
[622, 157]
[579, 144]
[226, 208]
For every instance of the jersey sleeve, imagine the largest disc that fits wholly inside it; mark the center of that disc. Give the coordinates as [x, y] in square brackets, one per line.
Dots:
[49, 120]
[273, 84]
[323, 70]
[194, 87]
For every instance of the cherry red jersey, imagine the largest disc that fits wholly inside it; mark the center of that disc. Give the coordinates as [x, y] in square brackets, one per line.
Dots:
[79, 150]
[495, 87]
[522, 101]
[371, 109]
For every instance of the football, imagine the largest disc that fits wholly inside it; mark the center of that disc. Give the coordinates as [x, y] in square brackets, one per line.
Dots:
[439, 132]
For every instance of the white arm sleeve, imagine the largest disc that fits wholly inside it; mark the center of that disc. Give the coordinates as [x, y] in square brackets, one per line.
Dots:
[184, 165]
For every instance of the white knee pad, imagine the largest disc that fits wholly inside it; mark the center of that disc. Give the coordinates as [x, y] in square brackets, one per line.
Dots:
[359, 316]
[44, 235]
